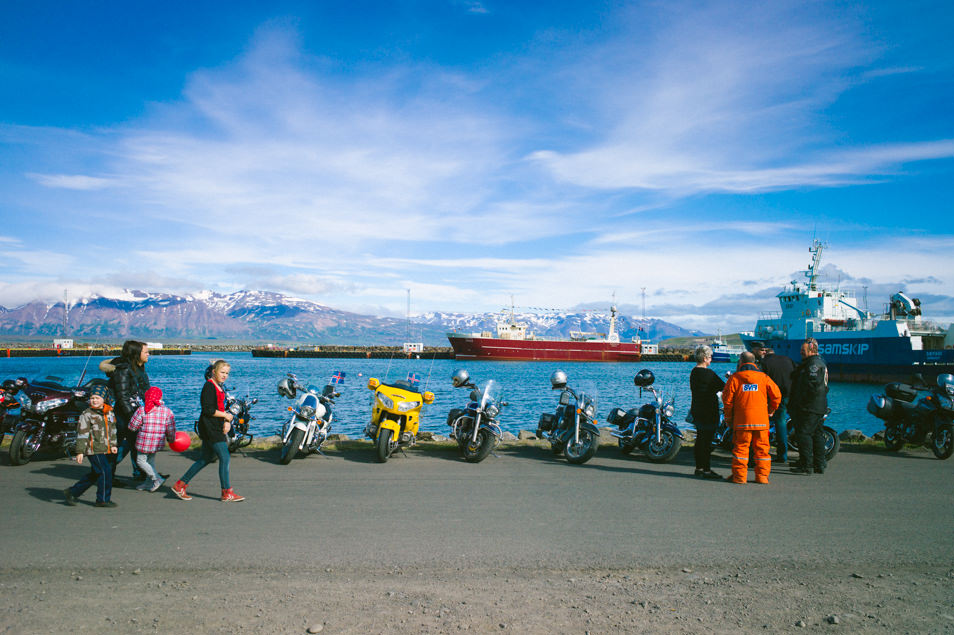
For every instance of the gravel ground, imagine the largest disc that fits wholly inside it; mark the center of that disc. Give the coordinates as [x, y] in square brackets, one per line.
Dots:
[522, 542]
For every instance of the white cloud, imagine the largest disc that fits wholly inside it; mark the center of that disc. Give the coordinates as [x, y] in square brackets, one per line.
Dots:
[71, 181]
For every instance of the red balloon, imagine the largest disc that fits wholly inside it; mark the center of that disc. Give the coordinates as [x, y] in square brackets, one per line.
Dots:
[182, 442]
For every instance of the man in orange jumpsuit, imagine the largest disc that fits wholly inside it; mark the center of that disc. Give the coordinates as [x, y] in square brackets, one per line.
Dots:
[750, 397]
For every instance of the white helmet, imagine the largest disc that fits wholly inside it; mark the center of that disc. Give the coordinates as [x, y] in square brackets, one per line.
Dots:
[460, 378]
[286, 388]
[558, 380]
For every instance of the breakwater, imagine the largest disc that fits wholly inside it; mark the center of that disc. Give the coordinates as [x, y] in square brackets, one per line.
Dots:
[83, 352]
[354, 352]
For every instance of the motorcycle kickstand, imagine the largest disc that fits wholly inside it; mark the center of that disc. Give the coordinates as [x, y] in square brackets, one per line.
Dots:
[403, 452]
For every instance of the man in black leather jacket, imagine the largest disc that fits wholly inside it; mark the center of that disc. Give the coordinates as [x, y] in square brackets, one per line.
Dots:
[808, 403]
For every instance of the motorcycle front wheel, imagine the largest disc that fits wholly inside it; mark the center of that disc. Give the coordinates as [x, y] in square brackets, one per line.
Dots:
[893, 439]
[290, 449]
[943, 443]
[832, 443]
[579, 453]
[666, 449]
[383, 445]
[23, 445]
[477, 451]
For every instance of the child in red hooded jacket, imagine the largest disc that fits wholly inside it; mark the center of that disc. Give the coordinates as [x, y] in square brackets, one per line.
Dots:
[156, 425]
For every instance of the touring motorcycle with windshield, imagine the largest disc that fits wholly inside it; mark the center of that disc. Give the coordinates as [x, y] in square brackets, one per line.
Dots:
[723, 436]
[572, 429]
[475, 427]
[49, 412]
[395, 414]
[649, 427]
[310, 421]
[918, 414]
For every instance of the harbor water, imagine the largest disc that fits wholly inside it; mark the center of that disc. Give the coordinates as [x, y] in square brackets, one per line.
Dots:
[526, 387]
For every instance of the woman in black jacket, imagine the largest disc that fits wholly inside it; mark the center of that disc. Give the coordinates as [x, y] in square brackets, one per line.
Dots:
[129, 383]
[214, 425]
[705, 385]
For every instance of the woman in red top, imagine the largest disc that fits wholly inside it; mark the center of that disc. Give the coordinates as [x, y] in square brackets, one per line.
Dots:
[214, 424]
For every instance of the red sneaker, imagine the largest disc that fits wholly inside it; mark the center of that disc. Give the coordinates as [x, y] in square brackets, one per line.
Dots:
[228, 496]
[179, 489]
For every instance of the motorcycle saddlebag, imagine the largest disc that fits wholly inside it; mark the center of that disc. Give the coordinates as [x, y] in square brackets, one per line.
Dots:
[901, 392]
[617, 417]
[454, 415]
[548, 421]
[881, 406]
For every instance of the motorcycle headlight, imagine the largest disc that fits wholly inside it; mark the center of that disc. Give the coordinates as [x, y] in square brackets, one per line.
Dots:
[590, 411]
[235, 409]
[385, 400]
[49, 404]
[308, 412]
[406, 406]
[668, 410]
[492, 411]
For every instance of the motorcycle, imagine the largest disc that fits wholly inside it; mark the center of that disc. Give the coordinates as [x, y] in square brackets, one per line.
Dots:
[572, 429]
[310, 422]
[649, 427]
[723, 436]
[475, 427]
[928, 420]
[49, 412]
[239, 436]
[9, 408]
[395, 414]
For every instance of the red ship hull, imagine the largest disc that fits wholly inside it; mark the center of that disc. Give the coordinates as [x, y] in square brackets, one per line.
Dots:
[496, 349]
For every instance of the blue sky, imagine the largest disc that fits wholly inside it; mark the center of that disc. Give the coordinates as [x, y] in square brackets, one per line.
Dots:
[470, 151]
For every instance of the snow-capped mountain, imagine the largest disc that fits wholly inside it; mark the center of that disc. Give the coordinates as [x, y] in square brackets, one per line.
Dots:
[261, 316]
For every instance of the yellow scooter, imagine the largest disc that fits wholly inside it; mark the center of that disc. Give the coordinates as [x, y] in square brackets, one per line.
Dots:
[396, 414]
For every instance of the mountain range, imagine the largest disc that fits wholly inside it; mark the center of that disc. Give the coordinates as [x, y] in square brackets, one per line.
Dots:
[262, 316]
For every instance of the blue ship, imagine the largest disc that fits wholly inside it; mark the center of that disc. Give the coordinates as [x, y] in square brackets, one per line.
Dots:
[856, 345]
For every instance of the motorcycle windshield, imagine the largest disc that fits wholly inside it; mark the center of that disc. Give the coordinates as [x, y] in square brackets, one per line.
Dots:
[491, 393]
[587, 397]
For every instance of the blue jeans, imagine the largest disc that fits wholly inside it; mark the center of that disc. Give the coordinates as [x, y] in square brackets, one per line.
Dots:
[100, 474]
[210, 450]
[780, 419]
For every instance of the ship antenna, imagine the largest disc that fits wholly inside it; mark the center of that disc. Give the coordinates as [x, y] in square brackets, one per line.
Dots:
[816, 251]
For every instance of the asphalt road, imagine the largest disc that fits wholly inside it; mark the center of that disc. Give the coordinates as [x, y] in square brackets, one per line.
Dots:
[520, 508]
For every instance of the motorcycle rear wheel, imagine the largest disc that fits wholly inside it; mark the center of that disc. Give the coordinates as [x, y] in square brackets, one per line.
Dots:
[477, 451]
[667, 448]
[832, 443]
[893, 439]
[290, 449]
[943, 442]
[583, 451]
[23, 446]
[383, 445]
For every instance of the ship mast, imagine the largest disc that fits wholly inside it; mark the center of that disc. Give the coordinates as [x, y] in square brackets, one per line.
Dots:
[812, 273]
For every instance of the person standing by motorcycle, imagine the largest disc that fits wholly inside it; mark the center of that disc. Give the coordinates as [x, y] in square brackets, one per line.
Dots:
[808, 403]
[129, 383]
[705, 386]
[750, 397]
[214, 425]
[780, 369]
[95, 439]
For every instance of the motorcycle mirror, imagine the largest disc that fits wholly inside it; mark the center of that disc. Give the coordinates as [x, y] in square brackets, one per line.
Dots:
[254, 400]
[428, 396]
[564, 398]
[373, 383]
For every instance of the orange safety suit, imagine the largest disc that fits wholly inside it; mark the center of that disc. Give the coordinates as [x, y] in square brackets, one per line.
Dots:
[750, 397]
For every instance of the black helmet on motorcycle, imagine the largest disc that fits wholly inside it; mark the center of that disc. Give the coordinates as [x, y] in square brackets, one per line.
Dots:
[558, 380]
[286, 388]
[460, 378]
[644, 378]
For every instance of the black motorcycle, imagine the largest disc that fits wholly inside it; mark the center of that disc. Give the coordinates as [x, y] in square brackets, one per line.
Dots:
[9, 408]
[918, 414]
[649, 427]
[572, 429]
[475, 427]
[723, 436]
[238, 436]
[49, 412]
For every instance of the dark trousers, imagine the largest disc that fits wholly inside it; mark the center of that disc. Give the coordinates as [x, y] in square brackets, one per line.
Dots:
[210, 450]
[810, 437]
[100, 474]
[127, 445]
[703, 448]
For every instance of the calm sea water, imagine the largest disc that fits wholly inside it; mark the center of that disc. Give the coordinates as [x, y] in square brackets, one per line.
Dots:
[526, 386]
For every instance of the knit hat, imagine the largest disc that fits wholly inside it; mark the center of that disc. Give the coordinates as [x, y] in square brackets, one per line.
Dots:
[102, 391]
[153, 398]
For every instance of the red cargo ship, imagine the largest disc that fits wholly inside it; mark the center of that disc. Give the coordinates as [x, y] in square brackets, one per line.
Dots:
[513, 343]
